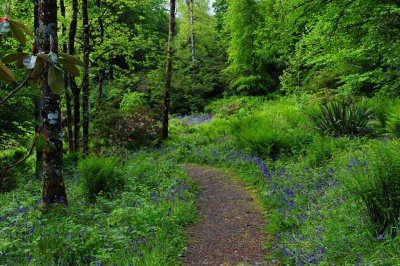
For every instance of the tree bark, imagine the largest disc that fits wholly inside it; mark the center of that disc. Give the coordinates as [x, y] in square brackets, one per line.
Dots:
[53, 182]
[74, 87]
[189, 3]
[66, 82]
[85, 80]
[168, 70]
[37, 103]
[100, 75]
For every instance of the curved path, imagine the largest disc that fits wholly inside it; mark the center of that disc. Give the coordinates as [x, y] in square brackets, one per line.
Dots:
[230, 225]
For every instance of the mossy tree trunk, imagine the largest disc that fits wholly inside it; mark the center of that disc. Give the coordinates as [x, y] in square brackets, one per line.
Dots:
[53, 182]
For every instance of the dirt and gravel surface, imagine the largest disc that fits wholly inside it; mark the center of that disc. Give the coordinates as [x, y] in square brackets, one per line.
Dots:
[229, 231]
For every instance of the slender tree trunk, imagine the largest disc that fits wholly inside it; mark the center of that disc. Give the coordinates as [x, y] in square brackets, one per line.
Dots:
[189, 3]
[85, 80]
[100, 75]
[66, 82]
[53, 182]
[74, 87]
[168, 70]
[37, 103]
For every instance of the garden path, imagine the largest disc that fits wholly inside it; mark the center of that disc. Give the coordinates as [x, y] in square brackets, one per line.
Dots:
[229, 231]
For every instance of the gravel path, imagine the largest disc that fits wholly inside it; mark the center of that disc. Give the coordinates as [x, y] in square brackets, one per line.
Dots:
[230, 228]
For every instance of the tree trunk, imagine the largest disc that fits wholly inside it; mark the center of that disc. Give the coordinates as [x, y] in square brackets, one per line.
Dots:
[100, 75]
[85, 80]
[168, 70]
[53, 182]
[66, 82]
[37, 103]
[189, 3]
[74, 87]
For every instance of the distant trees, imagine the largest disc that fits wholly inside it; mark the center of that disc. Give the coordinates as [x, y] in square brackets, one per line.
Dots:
[312, 45]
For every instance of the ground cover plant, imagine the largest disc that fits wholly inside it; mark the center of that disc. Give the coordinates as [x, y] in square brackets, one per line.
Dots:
[139, 224]
[327, 200]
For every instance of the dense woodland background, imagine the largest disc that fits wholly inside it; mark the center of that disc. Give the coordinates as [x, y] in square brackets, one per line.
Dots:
[302, 89]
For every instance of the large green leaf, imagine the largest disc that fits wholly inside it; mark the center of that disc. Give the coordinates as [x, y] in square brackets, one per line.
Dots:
[71, 68]
[45, 57]
[6, 75]
[38, 69]
[41, 143]
[55, 80]
[18, 33]
[72, 59]
[21, 27]
[13, 57]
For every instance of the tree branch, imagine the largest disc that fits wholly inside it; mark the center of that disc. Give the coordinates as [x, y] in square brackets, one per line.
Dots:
[14, 91]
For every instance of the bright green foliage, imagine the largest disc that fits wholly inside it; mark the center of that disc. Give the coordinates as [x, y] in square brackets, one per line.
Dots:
[131, 100]
[343, 118]
[375, 179]
[393, 123]
[344, 45]
[197, 81]
[242, 20]
[100, 174]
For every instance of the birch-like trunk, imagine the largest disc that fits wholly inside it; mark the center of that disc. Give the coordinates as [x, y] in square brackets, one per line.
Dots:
[53, 182]
[168, 70]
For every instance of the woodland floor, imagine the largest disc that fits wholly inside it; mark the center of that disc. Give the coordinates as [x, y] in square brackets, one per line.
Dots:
[229, 231]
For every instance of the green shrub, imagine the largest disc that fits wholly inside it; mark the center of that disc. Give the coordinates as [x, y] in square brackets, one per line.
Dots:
[376, 179]
[322, 149]
[393, 123]
[342, 118]
[131, 130]
[100, 174]
[132, 100]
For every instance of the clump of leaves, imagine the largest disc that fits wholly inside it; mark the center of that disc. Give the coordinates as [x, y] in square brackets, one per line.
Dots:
[100, 174]
[393, 123]
[375, 178]
[342, 118]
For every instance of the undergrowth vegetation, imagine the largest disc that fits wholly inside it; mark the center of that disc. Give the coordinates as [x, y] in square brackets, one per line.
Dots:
[330, 199]
[139, 224]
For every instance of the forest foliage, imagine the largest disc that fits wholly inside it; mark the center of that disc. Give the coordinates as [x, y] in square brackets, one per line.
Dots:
[320, 138]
